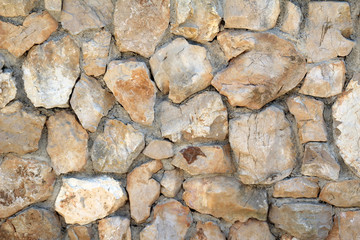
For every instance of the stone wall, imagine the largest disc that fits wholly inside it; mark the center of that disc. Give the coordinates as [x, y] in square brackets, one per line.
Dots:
[179, 119]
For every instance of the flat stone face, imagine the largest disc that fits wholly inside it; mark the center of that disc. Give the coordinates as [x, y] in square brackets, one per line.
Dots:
[130, 82]
[250, 230]
[116, 148]
[76, 232]
[54, 8]
[269, 68]
[140, 25]
[112, 228]
[342, 194]
[36, 28]
[50, 72]
[23, 182]
[14, 8]
[208, 231]
[171, 182]
[83, 200]
[347, 227]
[299, 187]
[225, 197]
[262, 146]
[7, 88]
[159, 149]
[292, 19]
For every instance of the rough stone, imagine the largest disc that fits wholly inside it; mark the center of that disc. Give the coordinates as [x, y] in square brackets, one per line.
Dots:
[7, 88]
[225, 197]
[83, 200]
[250, 230]
[76, 232]
[342, 194]
[54, 8]
[262, 146]
[299, 187]
[116, 148]
[14, 8]
[171, 182]
[268, 69]
[159, 149]
[208, 231]
[347, 226]
[292, 19]
[50, 72]
[114, 228]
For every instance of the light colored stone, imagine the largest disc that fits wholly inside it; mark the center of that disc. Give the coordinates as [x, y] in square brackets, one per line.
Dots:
[76, 232]
[262, 146]
[171, 182]
[7, 88]
[20, 130]
[225, 197]
[50, 72]
[36, 28]
[159, 149]
[67, 143]
[258, 15]
[143, 190]
[54, 8]
[130, 82]
[83, 200]
[116, 148]
[308, 113]
[140, 25]
[14, 8]
[202, 118]
[268, 69]
[250, 230]
[208, 231]
[298, 187]
[292, 19]
[346, 226]
[114, 228]
[342, 194]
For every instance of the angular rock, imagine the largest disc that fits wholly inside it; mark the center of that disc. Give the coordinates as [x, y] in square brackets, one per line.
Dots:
[347, 226]
[208, 231]
[83, 200]
[143, 190]
[299, 187]
[54, 8]
[159, 149]
[269, 68]
[250, 230]
[292, 19]
[225, 197]
[14, 8]
[130, 82]
[50, 72]
[113, 228]
[262, 146]
[140, 25]
[90, 102]
[75, 232]
[342, 194]
[116, 148]
[20, 130]
[181, 69]
[36, 28]
[171, 182]
[7, 88]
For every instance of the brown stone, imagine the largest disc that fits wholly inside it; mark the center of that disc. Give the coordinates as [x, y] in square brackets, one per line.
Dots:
[171, 182]
[250, 230]
[208, 231]
[75, 232]
[14, 8]
[113, 228]
[342, 194]
[299, 187]
[54, 8]
[159, 149]
[7, 88]
[292, 19]
[347, 226]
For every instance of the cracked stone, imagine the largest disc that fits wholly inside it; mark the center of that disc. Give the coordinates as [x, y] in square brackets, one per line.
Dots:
[7, 88]
[299, 187]
[76, 232]
[208, 231]
[250, 230]
[342, 194]
[159, 149]
[116, 227]
[171, 182]
[346, 226]
[292, 19]
[14, 8]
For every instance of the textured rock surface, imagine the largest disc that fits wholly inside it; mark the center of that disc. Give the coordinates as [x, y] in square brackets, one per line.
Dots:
[113, 228]
[299, 187]
[292, 19]
[76, 232]
[347, 226]
[250, 230]
[208, 231]
[54, 8]
[159, 149]
[14, 8]
[7, 88]
[171, 182]
[342, 194]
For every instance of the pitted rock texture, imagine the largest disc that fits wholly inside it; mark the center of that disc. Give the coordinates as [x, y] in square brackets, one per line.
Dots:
[112, 228]
[7, 88]
[342, 194]
[345, 226]
[250, 230]
[208, 231]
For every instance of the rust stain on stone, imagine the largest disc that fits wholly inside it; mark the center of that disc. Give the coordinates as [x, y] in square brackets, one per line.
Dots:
[191, 153]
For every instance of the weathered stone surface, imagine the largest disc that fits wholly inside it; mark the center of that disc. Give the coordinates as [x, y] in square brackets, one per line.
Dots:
[303, 220]
[347, 226]
[181, 69]
[171, 221]
[115, 149]
[54, 8]
[262, 146]
[7, 88]
[20, 130]
[171, 182]
[33, 223]
[67, 143]
[299, 187]
[319, 162]
[83, 200]
[197, 20]
[308, 113]
[96, 53]
[325, 80]
[130, 82]
[140, 25]
[269, 68]
[204, 160]
[143, 190]
[258, 15]
[225, 197]
[292, 19]
[250, 230]
[36, 28]
[342, 194]
[50, 72]
[76, 232]
[208, 231]
[202, 118]
[113, 228]
[23, 182]
[14, 8]
[79, 15]
[159, 149]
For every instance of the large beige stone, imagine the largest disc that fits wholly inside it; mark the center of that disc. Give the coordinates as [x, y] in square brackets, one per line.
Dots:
[76, 232]
[250, 230]
[225, 197]
[292, 19]
[14, 8]
[7, 88]
[298, 187]
[347, 226]
[208, 231]
[171, 182]
[269, 67]
[262, 146]
[114, 228]
[159, 149]
[342, 194]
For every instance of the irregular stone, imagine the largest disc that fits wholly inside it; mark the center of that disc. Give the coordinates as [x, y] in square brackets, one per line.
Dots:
[159, 149]
[308, 113]
[140, 25]
[143, 190]
[325, 80]
[50, 72]
[292, 19]
[83, 200]
[171, 182]
[225, 197]
[334, 232]
[90, 102]
[262, 146]
[287, 237]
[7, 88]
[14, 8]
[20, 130]
[342, 194]
[319, 162]
[210, 160]
[79, 15]
[202, 118]
[130, 82]
[36, 28]
[181, 69]
[303, 220]
[208, 231]
[269, 68]
[79, 233]
[67, 143]
[116, 148]
[23, 182]
[250, 230]
[113, 228]
[171, 221]
[299, 187]
[197, 20]
[33, 223]
[347, 226]
[54, 8]
[258, 15]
